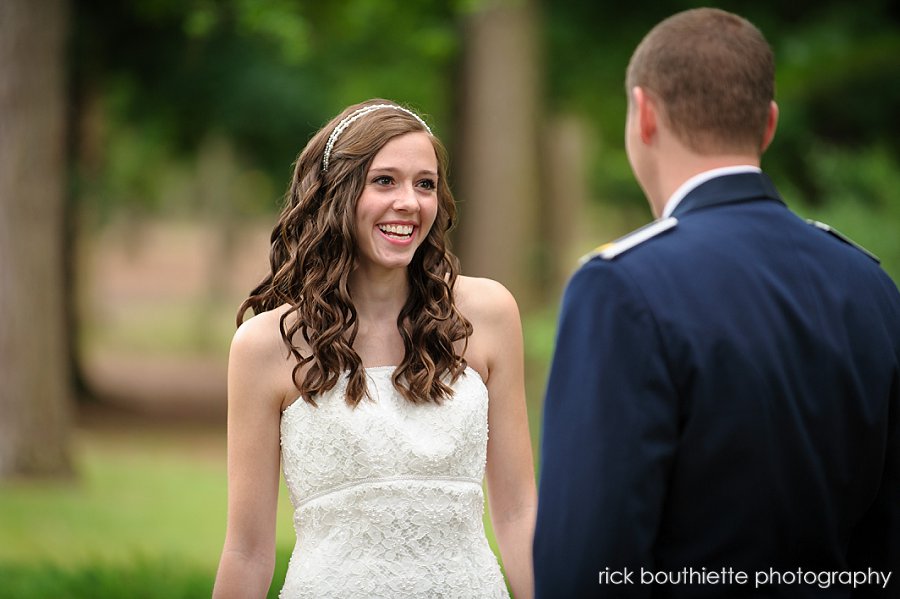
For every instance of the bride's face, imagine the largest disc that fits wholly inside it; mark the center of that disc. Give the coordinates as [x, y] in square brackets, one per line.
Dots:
[398, 203]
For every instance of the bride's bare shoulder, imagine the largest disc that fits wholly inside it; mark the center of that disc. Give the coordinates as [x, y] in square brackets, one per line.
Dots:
[259, 339]
[496, 328]
[480, 298]
[260, 363]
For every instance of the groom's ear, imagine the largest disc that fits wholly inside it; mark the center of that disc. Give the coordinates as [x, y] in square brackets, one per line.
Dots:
[771, 125]
[646, 113]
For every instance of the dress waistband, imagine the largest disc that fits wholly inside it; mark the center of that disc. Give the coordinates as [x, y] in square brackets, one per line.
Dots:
[386, 479]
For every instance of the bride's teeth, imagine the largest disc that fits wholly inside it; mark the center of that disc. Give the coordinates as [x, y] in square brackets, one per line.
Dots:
[397, 229]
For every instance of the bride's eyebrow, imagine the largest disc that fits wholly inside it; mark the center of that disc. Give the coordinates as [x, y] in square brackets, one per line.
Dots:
[393, 169]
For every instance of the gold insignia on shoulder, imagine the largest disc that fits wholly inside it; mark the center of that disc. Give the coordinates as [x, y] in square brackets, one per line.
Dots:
[835, 233]
[610, 250]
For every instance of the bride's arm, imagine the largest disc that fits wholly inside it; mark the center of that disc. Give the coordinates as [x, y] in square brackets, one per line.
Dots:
[254, 410]
[512, 498]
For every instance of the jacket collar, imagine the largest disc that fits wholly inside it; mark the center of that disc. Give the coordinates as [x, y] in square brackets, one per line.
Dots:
[728, 189]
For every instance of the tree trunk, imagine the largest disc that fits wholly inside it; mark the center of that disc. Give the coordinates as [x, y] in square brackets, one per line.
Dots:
[496, 159]
[563, 211]
[34, 378]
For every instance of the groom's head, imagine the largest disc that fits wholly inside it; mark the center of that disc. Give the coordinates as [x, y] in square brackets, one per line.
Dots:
[711, 75]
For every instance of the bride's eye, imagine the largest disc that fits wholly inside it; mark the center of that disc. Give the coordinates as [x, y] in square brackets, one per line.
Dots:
[428, 184]
[382, 180]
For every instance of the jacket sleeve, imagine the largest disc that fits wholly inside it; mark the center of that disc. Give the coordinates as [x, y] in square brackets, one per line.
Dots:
[875, 543]
[610, 429]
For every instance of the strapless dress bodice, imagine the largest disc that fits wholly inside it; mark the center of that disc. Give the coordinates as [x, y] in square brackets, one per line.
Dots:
[387, 496]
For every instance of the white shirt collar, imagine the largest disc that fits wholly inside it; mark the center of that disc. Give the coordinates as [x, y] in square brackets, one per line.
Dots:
[695, 181]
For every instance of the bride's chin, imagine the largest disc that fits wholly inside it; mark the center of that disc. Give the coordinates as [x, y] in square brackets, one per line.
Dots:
[388, 265]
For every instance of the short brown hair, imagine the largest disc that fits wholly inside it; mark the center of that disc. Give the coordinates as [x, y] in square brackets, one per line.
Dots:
[713, 73]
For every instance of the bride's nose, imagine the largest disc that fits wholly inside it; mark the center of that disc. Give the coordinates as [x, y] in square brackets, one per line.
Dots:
[405, 199]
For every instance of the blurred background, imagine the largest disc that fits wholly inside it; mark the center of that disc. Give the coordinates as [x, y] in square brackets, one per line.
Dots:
[145, 147]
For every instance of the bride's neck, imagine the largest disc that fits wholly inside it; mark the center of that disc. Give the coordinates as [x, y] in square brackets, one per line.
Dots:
[379, 296]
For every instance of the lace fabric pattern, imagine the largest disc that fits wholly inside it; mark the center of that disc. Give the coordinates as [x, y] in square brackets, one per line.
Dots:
[387, 496]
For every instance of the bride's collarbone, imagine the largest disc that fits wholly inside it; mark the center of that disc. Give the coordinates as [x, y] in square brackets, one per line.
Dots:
[379, 343]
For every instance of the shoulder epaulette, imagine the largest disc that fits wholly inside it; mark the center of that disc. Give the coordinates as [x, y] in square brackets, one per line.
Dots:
[610, 250]
[835, 233]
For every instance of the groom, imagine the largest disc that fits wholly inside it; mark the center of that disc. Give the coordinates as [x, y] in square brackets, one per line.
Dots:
[723, 412]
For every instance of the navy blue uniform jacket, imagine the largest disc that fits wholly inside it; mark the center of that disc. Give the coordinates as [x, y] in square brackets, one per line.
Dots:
[725, 394]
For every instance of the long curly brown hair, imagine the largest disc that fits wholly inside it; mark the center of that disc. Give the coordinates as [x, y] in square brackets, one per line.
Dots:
[314, 249]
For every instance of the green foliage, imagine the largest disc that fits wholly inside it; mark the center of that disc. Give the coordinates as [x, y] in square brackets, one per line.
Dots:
[826, 55]
[150, 580]
[837, 84]
[265, 75]
[863, 197]
[157, 80]
[157, 578]
[146, 519]
[135, 495]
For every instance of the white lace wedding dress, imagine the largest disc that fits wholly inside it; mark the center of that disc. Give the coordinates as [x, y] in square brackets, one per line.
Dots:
[387, 496]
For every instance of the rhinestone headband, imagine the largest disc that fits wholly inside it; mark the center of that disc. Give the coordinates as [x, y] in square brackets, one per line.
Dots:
[353, 116]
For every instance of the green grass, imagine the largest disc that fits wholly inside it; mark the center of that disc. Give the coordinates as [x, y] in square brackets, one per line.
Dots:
[141, 579]
[129, 499]
[159, 578]
[145, 517]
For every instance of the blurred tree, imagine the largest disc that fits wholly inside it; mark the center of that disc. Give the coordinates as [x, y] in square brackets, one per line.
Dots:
[826, 52]
[264, 74]
[498, 177]
[564, 202]
[34, 394]
[837, 84]
[158, 77]
[155, 81]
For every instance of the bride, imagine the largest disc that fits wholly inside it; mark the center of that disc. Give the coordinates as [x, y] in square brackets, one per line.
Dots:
[373, 372]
